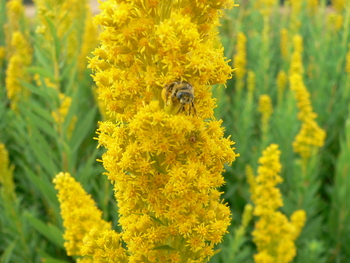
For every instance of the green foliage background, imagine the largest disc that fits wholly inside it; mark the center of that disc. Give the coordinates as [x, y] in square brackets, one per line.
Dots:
[30, 224]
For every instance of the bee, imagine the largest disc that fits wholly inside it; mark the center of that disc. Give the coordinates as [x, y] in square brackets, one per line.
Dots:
[183, 92]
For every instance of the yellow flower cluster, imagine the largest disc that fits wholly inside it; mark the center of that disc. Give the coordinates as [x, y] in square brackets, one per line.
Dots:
[311, 136]
[60, 114]
[165, 168]
[240, 60]
[274, 234]
[103, 246]
[79, 213]
[6, 175]
[166, 171]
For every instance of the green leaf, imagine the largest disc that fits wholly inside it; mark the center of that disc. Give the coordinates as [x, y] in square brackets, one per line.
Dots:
[82, 129]
[51, 232]
[36, 90]
[55, 38]
[42, 150]
[41, 57]
[42, 72]
[164, 247]
[45, 186]
[42, 112]
[49, 259]
[7, 253]
[40, 122]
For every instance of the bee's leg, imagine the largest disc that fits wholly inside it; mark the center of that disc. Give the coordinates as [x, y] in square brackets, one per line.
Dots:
[194, 108]
[181, 109]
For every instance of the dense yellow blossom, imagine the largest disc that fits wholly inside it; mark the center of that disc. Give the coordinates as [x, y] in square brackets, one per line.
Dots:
[79, 212]
[6, 175]
[240, 60]
[104, 246]
[165, 168]
[169, 194]
[311, 136]
[273, 234]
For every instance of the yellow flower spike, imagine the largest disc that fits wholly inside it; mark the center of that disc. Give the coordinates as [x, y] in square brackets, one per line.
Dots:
[165, 164]
[274, 234]
[20, 59]
[311, 136]
[78, 211]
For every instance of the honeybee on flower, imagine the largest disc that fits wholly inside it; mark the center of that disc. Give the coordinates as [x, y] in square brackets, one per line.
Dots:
[180, 92]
